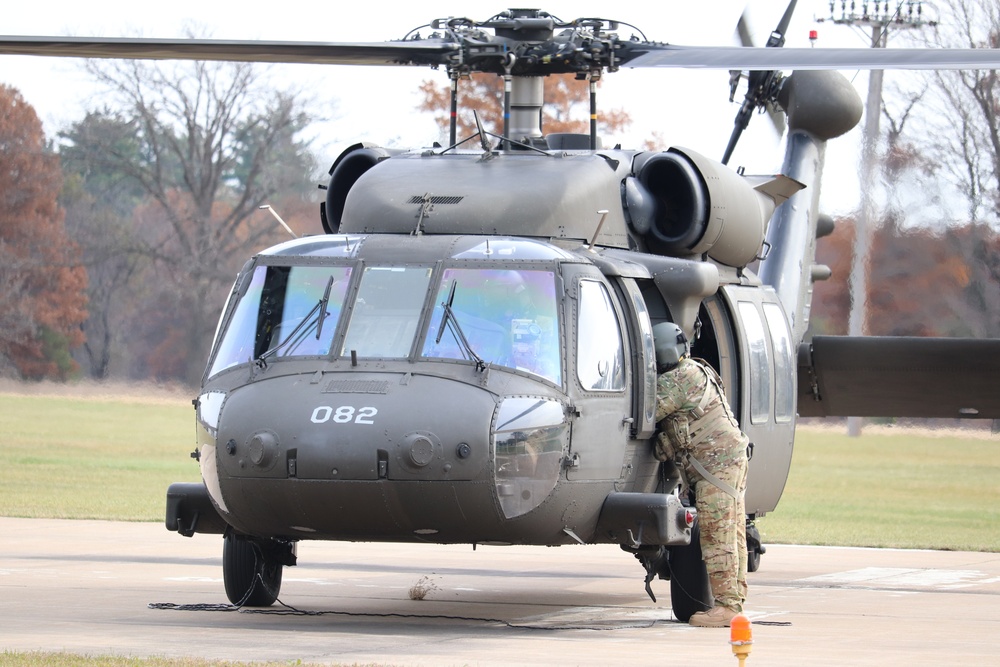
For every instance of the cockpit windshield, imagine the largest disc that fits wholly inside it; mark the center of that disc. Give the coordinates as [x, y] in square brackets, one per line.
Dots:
[387, 311]
[502, 317]
[508, 316]
[285, 311]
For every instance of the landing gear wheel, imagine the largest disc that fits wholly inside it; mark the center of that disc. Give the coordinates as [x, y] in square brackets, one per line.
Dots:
[250, 579]
[754, 547]
[690, 591]
[753, 560]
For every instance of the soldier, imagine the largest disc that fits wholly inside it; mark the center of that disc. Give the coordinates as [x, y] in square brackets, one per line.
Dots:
[697, 429]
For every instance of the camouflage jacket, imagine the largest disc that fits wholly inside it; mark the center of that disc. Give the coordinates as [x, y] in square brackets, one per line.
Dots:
[694, 417]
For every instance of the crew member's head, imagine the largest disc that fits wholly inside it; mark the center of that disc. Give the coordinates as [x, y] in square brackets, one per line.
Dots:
[671, 346]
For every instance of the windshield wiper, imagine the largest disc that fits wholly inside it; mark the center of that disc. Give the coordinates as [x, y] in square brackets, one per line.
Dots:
[449, 320]
[322, 304]
[321, 314]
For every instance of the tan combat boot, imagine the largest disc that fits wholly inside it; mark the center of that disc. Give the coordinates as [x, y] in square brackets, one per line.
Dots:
[716, 617]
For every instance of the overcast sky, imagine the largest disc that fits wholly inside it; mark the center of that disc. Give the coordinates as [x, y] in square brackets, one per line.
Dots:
[688, 108]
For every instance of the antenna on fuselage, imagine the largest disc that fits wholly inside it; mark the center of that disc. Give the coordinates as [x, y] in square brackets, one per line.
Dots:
[604, 216]
[483, 137]
[278, 218]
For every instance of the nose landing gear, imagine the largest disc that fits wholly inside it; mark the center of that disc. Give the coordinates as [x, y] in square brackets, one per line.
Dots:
[251, 569]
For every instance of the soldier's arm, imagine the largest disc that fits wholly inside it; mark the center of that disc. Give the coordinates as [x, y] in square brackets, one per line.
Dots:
[669, 397]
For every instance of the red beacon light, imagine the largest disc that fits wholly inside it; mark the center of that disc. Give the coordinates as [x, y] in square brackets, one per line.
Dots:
[813, 36]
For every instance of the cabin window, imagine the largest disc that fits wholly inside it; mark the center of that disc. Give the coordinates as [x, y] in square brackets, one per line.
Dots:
[387, 311]
[279, 314]
[505, 317]
[760, 365]
[784, 391]
[600, 350]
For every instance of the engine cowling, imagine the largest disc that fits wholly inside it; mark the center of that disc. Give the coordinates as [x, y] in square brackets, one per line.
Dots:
[681, 203]
[344, 173]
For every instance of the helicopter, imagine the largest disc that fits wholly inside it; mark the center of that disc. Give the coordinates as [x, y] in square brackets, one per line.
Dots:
[465, 356]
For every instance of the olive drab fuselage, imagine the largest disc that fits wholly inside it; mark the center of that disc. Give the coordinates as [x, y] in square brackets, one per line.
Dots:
[413, 384]
[322, 440]
[385, 427]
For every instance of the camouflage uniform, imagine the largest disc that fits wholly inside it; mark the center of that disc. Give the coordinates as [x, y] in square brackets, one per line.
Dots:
[693, 423]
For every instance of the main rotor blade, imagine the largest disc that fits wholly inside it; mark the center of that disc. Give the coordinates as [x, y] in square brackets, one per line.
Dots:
[417, 52]
[442, 52]
[741, 58]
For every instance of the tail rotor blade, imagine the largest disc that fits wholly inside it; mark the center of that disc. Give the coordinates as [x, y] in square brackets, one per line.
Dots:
[762, 86]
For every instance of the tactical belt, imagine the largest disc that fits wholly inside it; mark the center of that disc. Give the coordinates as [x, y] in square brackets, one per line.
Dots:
[699, 412]
[709, 477]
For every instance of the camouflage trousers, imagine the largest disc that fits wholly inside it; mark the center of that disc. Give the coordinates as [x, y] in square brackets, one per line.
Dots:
[722, 520]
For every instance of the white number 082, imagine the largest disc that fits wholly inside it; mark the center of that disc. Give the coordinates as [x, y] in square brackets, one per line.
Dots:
[345, 414]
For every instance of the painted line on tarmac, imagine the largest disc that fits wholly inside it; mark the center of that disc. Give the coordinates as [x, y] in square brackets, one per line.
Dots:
[898, 577]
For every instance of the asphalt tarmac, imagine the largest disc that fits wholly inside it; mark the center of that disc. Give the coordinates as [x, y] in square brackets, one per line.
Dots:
[108, 588]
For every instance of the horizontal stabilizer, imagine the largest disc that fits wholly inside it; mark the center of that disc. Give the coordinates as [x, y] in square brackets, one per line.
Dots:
[779, 188]
[846, 376]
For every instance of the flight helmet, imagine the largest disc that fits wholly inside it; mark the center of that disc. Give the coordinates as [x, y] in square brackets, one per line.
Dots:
[671, 346]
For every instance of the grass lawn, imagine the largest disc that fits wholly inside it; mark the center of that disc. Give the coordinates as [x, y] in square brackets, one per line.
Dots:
[908, 488]
[93, 456]
[84, 454]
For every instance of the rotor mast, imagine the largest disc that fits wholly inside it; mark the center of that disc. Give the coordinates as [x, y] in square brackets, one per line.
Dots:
[527, 95]
[524, 51]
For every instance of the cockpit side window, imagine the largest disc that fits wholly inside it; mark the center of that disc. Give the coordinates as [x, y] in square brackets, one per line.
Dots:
[600, 349]
[507, 317]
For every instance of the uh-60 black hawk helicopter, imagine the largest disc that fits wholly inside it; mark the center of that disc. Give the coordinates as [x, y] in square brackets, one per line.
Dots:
[466, 355]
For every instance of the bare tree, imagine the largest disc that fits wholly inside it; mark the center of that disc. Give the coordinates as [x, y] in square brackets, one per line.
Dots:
[961, 122]
[99, 201]
[942, 170]
[205, 144]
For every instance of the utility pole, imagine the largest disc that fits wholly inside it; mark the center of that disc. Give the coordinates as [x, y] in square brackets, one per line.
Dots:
[878, 18]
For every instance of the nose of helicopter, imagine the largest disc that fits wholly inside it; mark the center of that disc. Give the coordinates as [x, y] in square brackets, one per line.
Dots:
[372, 427]
[380, 456]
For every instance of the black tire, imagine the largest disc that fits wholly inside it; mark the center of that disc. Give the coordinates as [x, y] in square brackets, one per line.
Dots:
[690, 591]
[753, 560]
[754, 547]
[250, 580]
